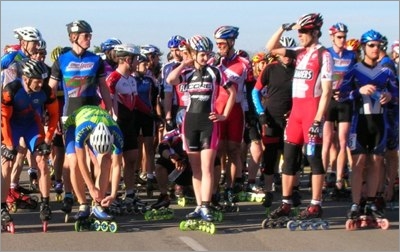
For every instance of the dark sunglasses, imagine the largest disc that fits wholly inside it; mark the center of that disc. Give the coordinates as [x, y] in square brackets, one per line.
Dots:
[372, 45]
[304, 30]
[341, 37]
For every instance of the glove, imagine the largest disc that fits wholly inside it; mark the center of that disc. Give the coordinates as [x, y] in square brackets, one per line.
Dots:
[315, 129]
[288, 26]
[264, 119]
[8, 154]
[44, 149]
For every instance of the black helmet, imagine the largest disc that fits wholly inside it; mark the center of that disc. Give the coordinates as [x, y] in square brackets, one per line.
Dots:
[79, 26]
[34, 69]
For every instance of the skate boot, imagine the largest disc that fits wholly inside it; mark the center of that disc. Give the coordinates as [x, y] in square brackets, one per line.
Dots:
[100, 214]
[216, 208]
[102, 220]
[222, 179]
[309, 217]
[82, 220]
[160, 210]
[200, 219]
[252, 193]
[267, 201]
[33, 179]
[45, 215]
[23, 190]
[279, 217]
[17, 200]
[230, 200]
[195, 214]
[7, 223]
[58, 188]
[66, 207]
[133, 204]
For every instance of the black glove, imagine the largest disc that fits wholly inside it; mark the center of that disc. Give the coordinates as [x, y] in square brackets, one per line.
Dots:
[265, 119]
[44, 149]
[315, 129]
[288, 26]
[8, 154]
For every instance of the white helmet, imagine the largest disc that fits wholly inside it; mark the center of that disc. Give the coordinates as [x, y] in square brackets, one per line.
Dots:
[28, 34]
[123, 50]
[101, 139]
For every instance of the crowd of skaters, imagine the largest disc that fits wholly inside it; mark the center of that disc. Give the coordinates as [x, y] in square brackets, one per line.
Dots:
[335, 107]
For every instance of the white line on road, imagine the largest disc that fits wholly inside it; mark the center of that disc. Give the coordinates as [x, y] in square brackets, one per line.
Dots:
[192, 243]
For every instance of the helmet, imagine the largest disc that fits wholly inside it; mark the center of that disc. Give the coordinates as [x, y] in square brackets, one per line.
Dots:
[34, 69]
[201, 43]
[311, 21]
[79, 26]
[175, 41]
[101, 139]
[42, 44]
[258, 57]
[109, 44]
[58, 51]
[352, 44]
[338, 27]
[384, 43]
[123, 50]
[146, 49]
[28, 34]
[395, 46]
[371, 35]
[142, 58]
[287, 42]
[226, 32]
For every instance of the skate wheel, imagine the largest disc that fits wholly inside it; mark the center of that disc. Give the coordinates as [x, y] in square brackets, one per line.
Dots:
[104, 226]
[96, 225]
[45, 223]
[384, 224]
[182, 226]
[264, 223]
[325, 225]
[58, 197]
[147, 215]
[77, 226]
[259, 199]
[113, 227]
[314, 226]
[292, 225]
[351, 225]
[304, 226]
[11, 227]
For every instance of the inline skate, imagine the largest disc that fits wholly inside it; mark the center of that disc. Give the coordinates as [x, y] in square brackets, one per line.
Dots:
[267, 202]
[66, 207]
[230, 201]
[58, 189]
[200, 219]
[97, 219]
[252, 193]
[216, 208]
[45, 215]
[309, 217]
[7, 223]
[184, 195]
[33, 179]
[369, 216]
[160, 210]
[279, 217]
[17, 200]
[151, 185]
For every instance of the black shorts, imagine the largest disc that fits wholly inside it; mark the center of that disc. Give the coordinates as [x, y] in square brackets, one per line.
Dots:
[185, 179]
[339, 111]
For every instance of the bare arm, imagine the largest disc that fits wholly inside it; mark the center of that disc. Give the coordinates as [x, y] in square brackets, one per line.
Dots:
[324, 101]
[173, 76]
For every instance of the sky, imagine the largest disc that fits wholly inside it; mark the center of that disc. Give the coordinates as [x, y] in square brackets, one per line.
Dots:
[154, 22]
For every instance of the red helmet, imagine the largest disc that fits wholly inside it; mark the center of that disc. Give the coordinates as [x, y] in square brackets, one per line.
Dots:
[311, 21]
[258, 57]
[353, 44]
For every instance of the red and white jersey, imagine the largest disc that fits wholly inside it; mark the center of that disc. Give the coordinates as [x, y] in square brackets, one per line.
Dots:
[236, 70]
[310, 72]
[123, 88]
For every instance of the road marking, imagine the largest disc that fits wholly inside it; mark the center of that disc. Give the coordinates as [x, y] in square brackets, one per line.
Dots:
[192, 243]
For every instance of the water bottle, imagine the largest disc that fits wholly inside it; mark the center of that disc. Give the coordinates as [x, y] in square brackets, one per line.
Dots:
[311, 147]
[376, 95]
[174, 175]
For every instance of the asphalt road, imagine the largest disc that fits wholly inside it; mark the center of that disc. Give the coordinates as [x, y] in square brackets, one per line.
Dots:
[239, 231]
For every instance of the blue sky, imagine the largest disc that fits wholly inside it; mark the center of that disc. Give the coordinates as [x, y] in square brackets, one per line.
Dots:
[153, 22]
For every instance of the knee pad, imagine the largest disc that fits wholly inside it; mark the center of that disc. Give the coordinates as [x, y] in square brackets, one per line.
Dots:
[315, 161]
[292, 158]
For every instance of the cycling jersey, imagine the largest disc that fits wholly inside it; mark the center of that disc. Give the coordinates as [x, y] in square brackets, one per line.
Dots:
[80, 76]
[367, 132]
[341, 64]
[82, 121]
[180, 96]
[10, 68]
[20, 116]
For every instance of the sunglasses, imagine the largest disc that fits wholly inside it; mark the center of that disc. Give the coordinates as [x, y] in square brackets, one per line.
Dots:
[341, 37]
[304, 30]
[372, 45]
[86, 35]
[221, 43]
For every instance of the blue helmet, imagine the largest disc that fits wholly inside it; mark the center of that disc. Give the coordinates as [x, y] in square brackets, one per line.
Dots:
[152, 49]
[338, 27]
[175, 41]
[109, 44]
[226, 32]
[371, 35]
[201, 43]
